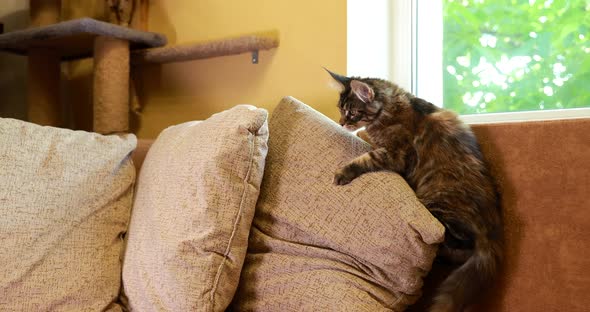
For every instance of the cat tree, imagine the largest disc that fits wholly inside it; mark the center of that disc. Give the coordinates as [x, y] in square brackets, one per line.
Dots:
[48, 42]
[114, 48]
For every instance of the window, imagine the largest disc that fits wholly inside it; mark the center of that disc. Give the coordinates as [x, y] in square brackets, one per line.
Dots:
[484, 57]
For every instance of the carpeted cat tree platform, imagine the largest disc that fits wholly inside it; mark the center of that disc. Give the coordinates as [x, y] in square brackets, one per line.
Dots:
[109, 44]
[114, 48]
[215, 48]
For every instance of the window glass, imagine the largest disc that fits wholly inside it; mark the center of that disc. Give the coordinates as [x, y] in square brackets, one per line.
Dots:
[515, 55]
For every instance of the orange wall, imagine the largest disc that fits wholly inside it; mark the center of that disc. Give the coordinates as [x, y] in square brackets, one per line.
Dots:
[312, 34]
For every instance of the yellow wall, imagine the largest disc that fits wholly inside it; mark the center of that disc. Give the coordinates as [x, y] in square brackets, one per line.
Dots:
[312, 34]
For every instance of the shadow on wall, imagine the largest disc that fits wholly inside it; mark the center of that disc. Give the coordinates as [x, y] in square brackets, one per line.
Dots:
[139, 84]
[13, 72]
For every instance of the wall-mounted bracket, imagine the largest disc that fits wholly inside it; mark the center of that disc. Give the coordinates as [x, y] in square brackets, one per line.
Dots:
[255, 57]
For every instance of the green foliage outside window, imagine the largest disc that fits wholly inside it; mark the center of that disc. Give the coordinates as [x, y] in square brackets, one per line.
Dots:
[516, 55]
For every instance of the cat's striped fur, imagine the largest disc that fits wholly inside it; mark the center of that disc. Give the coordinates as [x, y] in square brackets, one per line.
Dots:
[440, 159]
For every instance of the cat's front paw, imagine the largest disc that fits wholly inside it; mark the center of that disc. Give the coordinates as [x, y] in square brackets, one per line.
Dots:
[342, 177]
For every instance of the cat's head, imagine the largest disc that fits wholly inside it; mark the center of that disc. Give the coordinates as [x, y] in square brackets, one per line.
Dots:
[358, 105]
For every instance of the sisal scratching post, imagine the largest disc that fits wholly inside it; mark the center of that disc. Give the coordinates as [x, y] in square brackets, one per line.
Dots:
[43, 68]
[111, 85]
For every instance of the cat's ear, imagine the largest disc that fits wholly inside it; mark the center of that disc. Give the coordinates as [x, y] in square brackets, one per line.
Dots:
[343, 80]
[363, 91]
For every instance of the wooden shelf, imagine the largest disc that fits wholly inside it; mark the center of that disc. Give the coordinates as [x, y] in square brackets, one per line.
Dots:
[195, 51]
[74, 39]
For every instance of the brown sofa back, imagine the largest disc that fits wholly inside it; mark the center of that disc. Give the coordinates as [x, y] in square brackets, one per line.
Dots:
[543, 170]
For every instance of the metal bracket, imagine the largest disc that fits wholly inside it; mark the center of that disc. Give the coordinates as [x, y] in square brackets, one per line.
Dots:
[255, 57]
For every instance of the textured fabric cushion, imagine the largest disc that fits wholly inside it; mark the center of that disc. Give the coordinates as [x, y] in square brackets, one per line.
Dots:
[315, 246]
[65, 198]
[196, 195]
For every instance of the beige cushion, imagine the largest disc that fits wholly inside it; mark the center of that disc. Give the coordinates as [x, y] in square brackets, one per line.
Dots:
[315, 246]
[195, 201]
[65, 198]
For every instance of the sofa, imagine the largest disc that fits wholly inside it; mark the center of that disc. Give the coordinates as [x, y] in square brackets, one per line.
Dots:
[288, 253]
[543, 171]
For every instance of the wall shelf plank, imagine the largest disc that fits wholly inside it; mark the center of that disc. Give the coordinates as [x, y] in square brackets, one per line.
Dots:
[202, 50]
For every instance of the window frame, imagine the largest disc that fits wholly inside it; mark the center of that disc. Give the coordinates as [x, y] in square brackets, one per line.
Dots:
[412, 61]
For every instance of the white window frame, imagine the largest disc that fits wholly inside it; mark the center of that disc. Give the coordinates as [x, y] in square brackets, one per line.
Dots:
[369, 38]
[417, 30]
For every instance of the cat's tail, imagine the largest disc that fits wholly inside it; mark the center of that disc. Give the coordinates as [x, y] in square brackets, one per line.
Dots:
[465, 283]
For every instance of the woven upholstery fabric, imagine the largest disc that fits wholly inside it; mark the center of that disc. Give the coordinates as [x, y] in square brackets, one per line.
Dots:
[315, 246]
[65, 198]
[196, 195]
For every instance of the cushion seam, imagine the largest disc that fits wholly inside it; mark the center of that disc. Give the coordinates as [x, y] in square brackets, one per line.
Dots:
[237, 218]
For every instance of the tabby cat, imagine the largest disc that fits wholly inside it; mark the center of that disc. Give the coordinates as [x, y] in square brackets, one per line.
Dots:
[440, 159]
